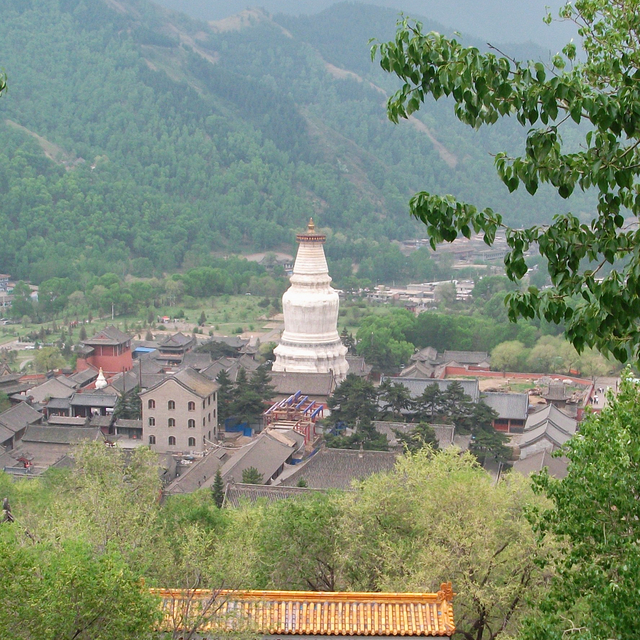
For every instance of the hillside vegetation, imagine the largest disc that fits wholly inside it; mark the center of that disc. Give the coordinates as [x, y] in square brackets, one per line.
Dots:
[135, 140]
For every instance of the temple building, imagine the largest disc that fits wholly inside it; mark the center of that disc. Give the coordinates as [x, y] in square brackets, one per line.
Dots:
[310, 342]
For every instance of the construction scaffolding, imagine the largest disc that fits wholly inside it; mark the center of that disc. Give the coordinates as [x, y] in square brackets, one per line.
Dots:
[296, 412]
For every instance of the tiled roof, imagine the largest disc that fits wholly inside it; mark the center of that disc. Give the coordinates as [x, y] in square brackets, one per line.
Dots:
[108, 336]
[5, 434]
[19, 416]
[316, 613]
[60, 435]
[267, 453]
[444, 432]
[67, 421]
[557, 467]
[418, 369]
[417, 385]
[94, 399]
[197, 361]
[311, 384]
[338, 468]
[177, 340]
[554, 415]
[358, 366]
[466, 357]
[550, 424]
[509, 406]
[195, 381]
[428, 354]
[84, 377]
[52, 388]
[237, 493]
[58, 403]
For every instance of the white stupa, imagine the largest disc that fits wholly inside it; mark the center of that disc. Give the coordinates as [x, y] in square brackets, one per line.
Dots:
[310, 342]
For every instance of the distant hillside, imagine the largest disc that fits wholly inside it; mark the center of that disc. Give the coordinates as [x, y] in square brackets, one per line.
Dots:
[137, 140]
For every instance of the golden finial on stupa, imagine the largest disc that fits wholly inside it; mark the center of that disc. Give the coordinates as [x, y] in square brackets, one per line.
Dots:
[312, 227]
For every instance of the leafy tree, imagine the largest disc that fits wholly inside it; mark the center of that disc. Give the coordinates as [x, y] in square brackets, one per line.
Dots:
[419, 438]
[508, 356]
[353, 399]
[595, 512]
[79, 595]
[251, 475]
[48, 358]
[218, 490]
[308, 529]
[602, 91]
[394, 526]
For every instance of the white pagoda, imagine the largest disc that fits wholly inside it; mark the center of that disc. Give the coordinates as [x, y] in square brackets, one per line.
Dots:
[310, 342]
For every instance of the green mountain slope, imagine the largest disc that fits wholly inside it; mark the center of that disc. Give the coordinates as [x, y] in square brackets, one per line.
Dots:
[137, 140]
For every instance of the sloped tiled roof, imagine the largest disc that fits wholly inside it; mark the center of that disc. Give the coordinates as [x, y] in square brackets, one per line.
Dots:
[550, 424]
[108, 336]
[428, 354]
[52, 388]
[466, 357]
[84, 377]
[418, 369]
[19, 416]
[358, 366]
[177, 340]
[196, 361]
[67, 421]
[417, 385]
[338, 468]
[509, 406]
[237, 493]
[311, 384]
[195, 381]
[267, 453]
[554, 415]
[5, 434]
[60, 435]
[94, 399]
[317, 613]
[557, 467]
[444, 432]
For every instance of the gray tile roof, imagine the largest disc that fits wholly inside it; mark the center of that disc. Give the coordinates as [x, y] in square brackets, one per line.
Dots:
[338, 468]
[197, 361]
[60, 435]
[94, 399]
[466, 357]
[267, 453]
[199, 384]
[67, 421]
[237, 494]
[417, 385]
[200, 471]
[52, 388]
[358, 366]
[444, 433]
[418, 370]
[59, 403]
[549, 424]
[108, 336]
[311, 384]
[19, 416]
[84, 377]
[557, 466]
[509, 406]
[5, 434]
[177, 340]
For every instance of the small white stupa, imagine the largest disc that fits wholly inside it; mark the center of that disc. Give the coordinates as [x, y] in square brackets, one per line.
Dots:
[310, 342]
[101, 381]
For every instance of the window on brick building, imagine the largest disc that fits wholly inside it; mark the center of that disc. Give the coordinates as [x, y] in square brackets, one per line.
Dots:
[171, 405]
[172, 441]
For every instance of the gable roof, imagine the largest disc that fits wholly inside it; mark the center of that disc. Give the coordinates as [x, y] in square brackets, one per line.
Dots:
[60, 435]
[84, 377]
[189, 379]
[177, 340]
[19, 416]
[94, 399]
[550, 424]
[551, 414]
[267, 453]
[557, 467]
[337, 468]
[509, 406]
[358, 366]
[317, 613]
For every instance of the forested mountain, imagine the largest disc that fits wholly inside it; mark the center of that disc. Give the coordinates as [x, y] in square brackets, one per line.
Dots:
[133, 139]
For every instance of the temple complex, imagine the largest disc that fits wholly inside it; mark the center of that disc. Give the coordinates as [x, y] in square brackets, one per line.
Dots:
[310, 342]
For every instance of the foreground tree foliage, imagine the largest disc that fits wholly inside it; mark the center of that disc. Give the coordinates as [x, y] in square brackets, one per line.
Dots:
[599, 309]
[596, 512]
[439, 515]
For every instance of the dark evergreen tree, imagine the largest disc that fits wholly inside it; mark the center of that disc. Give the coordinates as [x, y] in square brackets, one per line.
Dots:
[251, 475]
[218, 489]
[129, 406]
[354, 398]
[225, 395]
[396, 398]
[419, 438]
[429, 403]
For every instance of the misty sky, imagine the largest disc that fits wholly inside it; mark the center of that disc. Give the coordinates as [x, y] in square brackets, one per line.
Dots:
[496, 20]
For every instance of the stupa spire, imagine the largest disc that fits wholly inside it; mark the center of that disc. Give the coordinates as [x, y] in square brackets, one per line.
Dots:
[310, 342]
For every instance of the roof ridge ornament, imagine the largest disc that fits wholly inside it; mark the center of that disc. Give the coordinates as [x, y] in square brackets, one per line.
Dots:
[311, 228]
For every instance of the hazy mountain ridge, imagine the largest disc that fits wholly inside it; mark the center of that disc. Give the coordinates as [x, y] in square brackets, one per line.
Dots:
[196, 139]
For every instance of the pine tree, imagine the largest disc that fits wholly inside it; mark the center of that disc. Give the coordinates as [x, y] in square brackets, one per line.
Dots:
[218, 489]
[224, 395]
[251, 475]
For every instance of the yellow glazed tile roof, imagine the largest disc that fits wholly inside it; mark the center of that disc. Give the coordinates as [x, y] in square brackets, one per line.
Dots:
[311, 612]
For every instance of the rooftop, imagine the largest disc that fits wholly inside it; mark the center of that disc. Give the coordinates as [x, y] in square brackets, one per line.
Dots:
[338, 468]
[109, 336]
[509, 406]
[238, 493]
[314, 613]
